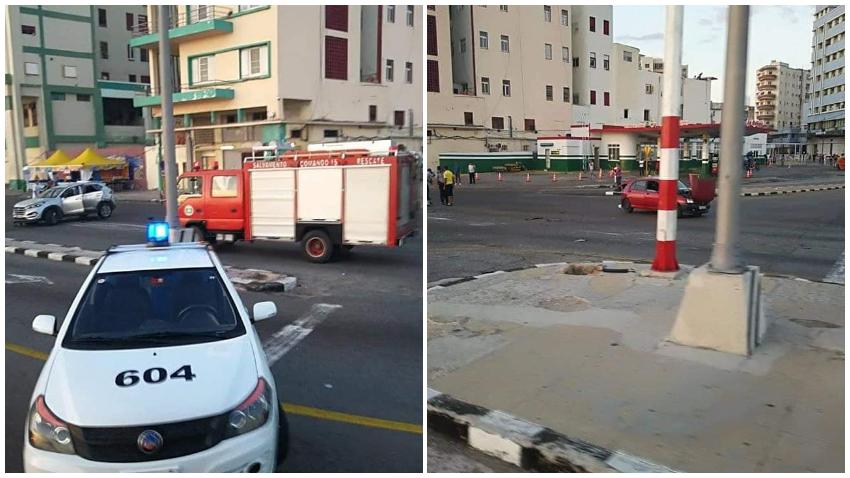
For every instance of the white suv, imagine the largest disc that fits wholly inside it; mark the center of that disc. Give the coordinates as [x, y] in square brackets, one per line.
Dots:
[156, 368]
[74, 199]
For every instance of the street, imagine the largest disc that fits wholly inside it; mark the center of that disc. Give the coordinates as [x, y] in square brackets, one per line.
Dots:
[518, 225]
[352, 388]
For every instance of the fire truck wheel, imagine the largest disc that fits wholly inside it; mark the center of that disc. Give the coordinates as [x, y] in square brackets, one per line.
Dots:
[318, 246]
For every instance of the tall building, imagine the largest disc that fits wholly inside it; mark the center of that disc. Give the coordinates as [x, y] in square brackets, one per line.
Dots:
[781, 95]
[70, 80]
[825, 111]
[250, 75]
[500, 76]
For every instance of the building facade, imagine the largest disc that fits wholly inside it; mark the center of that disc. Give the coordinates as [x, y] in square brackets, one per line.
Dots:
[285, 76]
[781, 95]
[825, 108]
[70, 80]
[483, 96]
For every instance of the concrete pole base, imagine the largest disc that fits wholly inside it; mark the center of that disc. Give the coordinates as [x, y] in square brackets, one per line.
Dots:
[722, 312]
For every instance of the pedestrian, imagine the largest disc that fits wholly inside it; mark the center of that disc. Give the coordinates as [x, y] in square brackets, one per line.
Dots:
[431, 176]
[441, 184]
[457, 176]
[617, 172]
[471, 169]
[449, 178]
[590, 167]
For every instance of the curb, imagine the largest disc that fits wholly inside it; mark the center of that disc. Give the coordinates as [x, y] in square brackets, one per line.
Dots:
[792, 191]
[443, 283]
[85, 260]
[525, 444]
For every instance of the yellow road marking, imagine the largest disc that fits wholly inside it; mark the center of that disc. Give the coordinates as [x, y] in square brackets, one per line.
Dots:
[291, 408]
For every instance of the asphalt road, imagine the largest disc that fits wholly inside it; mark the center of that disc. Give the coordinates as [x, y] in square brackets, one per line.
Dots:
[364, 360]
[446, 455]
[519, 225]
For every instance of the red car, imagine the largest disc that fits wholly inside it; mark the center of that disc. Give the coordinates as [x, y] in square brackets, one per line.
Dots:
[642, 193]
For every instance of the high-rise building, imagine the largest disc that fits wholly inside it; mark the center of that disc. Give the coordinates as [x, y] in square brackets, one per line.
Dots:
[251, 75]
[825, 111]
[781, 95]
[70, 80]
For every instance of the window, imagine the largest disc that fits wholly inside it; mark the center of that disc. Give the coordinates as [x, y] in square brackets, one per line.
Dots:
[128, 17]
[390, 13]
[549, 93]
[336, 17]
[566, 94]
[614, 152]
[224, 187]
[606, 27]
[146, 79]
[547, 51]
[408, 72]
[565, 18]
[331, 133]
[69, 71]
[592, 59]
[101, 17]
[398, 119]
[485, 85]
[639, 186]
[336, 58]
[462, 43]
[575, 62]
[433, 76]
[627, 56]
[498, 123]
[483, 41]
[28, 29]
[104, 76]
[606, 62]
[547, 13]
[57, 96]
[104, 50]
[202, 12]
[132, 78]
[593, 24]
[575, 98]
[593, 97]
[503, 8]
[131, 53]
[84, 98]
[432, 35]
[626, 113]
[646, 115]
[467, 118]
[529, 125]
[202, 68]
[388, 73]
[245, 8]
[143, 55]
[565, 54]
[649, 89]
[506, 87]
[506, 44]
[410, 10]
[254, 62]
[606, 99]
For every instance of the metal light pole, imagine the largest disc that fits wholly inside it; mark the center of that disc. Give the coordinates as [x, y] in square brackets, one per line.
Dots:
[668, 177]
[725, 255]
[167, 111]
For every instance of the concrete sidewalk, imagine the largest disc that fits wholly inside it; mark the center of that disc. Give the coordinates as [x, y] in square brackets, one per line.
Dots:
[585, 356]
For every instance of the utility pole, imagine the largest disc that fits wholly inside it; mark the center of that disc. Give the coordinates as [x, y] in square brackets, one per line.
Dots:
[725, 255]
[167, 132]
[668, 177]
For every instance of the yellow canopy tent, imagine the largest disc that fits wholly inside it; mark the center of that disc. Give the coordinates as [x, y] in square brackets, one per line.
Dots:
[90, 159]
[57, 159]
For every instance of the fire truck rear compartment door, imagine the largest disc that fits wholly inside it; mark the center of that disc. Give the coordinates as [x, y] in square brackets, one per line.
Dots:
[320, 195]
[367, 196]
[273, 203]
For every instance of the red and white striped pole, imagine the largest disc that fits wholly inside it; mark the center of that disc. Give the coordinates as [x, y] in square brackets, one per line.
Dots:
[665, 239]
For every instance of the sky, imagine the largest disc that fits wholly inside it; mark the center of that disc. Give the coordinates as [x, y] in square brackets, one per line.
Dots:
[781, 33]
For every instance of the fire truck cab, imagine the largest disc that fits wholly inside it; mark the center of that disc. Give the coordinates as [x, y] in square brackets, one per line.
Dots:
[329, 201]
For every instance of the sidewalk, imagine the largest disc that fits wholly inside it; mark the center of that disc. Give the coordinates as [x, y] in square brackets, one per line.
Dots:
[585, 356]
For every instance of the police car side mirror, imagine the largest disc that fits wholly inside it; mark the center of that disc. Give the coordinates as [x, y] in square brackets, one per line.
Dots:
[263, 311]
[45, 324]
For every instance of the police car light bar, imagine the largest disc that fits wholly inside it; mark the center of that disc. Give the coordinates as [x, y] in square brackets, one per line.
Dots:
[158, 233]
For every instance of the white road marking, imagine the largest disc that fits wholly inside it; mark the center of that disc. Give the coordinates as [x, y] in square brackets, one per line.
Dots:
[440, 218]
[288, 337]
[836, 274]
[26, 279]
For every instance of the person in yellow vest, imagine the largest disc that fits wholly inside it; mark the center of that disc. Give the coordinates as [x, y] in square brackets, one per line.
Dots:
[449, 178]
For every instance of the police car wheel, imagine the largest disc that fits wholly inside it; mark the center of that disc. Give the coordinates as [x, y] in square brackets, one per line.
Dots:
[104, 210]
[318, 246]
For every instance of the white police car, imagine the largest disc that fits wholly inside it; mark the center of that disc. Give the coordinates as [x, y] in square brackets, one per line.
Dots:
[156, 368]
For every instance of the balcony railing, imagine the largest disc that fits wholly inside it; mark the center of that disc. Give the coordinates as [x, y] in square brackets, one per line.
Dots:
[185, 93]
[196, 14]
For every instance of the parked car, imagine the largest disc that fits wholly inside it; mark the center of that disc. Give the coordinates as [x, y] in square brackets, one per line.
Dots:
[72, 199]
[643, 194]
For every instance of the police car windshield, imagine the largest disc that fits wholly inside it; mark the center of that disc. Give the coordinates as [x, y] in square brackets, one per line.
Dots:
[153, 308]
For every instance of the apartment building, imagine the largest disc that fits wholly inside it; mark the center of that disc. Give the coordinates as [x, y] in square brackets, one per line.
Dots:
[499, 76]
[825, 108]
[781, 95]
[70, 79]
[285, 76]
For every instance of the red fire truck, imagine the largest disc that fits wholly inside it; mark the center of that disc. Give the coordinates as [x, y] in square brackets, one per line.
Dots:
[329, 201]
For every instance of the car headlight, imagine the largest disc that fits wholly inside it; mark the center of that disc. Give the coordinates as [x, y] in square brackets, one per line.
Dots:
[689, 201]
[35, 205]
[47, 431]
[252, 413]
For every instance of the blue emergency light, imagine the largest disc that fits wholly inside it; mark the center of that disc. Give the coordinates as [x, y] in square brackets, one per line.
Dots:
[158, 233]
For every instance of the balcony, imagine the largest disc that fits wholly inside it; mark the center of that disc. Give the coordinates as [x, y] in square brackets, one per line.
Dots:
[766, 86]
[197, 22]
[766, 75]
[766, 95]
[184, 95]
[765, 115]
[766, 107]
